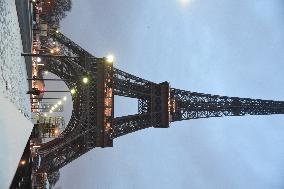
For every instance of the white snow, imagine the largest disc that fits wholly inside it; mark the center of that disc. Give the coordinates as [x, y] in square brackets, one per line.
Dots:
[13, 75]
[15, 124]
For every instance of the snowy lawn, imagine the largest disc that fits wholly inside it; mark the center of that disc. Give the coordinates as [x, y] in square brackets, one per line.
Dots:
[13, 75]
[15, 126]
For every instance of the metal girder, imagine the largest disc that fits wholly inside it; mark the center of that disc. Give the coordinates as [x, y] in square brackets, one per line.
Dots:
[68, 152]
[70, 45]
[128, 85]
[191, 105]
[80, 119]
[128, 124]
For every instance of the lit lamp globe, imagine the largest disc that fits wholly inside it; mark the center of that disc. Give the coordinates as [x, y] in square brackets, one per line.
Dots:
[85, 80]
[72, 91]
[38, 59]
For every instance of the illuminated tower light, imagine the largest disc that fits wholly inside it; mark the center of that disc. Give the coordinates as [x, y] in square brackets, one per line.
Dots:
[110, 58]
[85, 80]
[72, 91]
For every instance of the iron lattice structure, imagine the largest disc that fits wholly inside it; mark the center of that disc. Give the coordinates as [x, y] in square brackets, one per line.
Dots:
[92, 123]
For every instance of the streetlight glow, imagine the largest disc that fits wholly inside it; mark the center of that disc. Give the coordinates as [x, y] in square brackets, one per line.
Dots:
[55, 131]
[57, 31]
[85, 80]
[51, 51]
[38, 59]
[23, 162]
[65, 98]
[110, 58]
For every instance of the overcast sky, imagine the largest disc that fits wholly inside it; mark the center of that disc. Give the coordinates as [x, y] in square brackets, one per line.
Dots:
[225, 47]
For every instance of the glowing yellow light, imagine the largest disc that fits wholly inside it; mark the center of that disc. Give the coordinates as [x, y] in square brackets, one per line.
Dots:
[56, 131]
[51, 51]
[59, 102]
[23, 162]
[65, 98]
[85, 80]
[57, 49]
[72, 91]
[110, 58]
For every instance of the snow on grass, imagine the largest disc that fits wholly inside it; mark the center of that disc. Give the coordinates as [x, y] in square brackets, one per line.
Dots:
[13, 75]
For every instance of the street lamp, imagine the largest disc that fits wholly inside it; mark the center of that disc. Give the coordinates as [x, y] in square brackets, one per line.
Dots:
[38, 59]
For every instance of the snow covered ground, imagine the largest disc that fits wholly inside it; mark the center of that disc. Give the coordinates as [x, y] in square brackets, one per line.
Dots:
[13, 75]
[15, 124]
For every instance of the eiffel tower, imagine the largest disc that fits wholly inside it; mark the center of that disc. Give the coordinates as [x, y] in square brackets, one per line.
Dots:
[92, 123]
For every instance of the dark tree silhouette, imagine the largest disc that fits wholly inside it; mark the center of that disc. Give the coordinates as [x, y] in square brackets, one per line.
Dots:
[57, 12]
